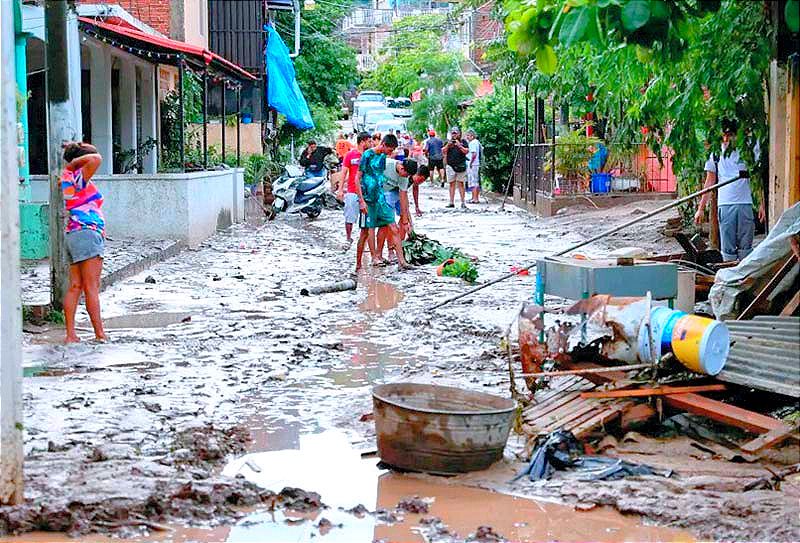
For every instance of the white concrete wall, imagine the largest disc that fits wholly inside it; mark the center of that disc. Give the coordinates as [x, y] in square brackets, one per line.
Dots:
[186, 206]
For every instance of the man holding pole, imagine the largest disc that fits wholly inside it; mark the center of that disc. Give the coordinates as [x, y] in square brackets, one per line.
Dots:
[734, 201]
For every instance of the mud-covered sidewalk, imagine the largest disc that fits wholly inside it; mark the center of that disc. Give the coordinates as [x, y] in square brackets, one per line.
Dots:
[218, 354]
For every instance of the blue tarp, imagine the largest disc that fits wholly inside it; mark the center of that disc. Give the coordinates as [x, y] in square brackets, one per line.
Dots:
[283, 92]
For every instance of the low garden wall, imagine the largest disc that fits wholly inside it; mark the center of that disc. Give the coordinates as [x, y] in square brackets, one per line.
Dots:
[189, 207]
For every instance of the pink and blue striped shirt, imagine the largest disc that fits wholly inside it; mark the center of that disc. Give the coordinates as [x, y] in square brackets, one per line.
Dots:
[83, 202]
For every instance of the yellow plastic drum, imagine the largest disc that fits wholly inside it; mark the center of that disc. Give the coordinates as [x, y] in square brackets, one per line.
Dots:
[701, 344]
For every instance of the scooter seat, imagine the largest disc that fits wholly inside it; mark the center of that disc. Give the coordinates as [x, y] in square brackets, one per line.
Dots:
[310, 184]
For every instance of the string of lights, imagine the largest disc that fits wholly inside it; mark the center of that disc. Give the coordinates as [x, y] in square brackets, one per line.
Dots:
[157, 56]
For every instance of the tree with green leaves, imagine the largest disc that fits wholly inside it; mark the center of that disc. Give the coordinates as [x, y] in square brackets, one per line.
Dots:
[674, 69]
[413, 58]
[492, 118]
[325, 67]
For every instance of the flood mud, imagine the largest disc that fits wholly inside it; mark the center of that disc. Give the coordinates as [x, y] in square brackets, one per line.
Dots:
[203, 421]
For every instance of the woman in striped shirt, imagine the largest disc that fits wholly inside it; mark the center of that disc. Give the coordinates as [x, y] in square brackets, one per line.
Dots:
[85, 237]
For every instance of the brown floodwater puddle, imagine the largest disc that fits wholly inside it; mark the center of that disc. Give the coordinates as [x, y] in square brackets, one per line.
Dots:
[381, 296]
[327, 464]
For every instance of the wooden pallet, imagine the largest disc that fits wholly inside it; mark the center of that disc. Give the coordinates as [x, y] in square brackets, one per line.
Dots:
[561, 407]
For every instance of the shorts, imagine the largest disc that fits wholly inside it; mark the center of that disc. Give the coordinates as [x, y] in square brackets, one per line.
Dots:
[84, 244]
[393, 199]
[436, 164]
[351, 208]
[453, 175]
[474, 177]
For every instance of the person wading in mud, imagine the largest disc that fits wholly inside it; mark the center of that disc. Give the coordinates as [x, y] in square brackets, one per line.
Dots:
[348, 188]
[396, 181]
[379, 214]
[455, 165]
[85, 237]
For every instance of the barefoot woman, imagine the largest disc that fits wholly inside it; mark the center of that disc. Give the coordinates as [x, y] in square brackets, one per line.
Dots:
[85, 237]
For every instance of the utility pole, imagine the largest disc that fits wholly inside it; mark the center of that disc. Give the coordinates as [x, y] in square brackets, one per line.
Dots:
[64, 124]
[11, 451]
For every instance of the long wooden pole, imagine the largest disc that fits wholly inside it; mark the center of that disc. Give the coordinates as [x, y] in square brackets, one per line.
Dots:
[609, 369]
[601, 235]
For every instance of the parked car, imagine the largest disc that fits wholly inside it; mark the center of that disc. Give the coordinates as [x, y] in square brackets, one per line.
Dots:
[370, 96]
[400, 107]
[361, 108]
[373, 117]
[367, 98]
[395, 125]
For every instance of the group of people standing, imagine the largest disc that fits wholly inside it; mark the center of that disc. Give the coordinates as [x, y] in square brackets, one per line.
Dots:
[374, 189]
[378, 172]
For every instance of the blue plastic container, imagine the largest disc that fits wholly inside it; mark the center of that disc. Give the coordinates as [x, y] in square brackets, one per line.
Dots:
[247, 118]
[601, 182]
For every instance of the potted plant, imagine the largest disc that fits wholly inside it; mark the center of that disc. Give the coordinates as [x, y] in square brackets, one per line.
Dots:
[573, 151]
[624, 164]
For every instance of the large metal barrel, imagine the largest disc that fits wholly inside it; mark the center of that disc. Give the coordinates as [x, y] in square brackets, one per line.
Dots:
[440, 429]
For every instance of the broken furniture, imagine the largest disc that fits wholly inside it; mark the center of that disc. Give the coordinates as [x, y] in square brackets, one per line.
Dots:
[438, 429]
[575, 279]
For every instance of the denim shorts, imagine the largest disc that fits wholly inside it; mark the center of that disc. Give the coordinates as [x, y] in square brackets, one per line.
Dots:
[84, 244]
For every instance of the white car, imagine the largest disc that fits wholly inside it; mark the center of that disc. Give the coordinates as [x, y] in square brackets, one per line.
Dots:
[373, 117]
[400, 107]
[395, 125]
[361, 109]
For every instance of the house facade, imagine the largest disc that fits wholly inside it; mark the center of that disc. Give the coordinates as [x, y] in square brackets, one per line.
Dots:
[125, 66]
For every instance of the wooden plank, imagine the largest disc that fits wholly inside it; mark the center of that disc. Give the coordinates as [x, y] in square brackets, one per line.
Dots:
[768, 288]
[723, 412]
[791, 307]
[602, 418]
[561, 417]
[596, 378]
[657, 391]
[770, 439]
[548, 407]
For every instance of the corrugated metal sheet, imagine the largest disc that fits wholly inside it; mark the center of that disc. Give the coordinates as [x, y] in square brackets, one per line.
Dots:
[765, 354]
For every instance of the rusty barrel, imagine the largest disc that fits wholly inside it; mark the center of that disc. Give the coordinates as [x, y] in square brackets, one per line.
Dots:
[440, 429]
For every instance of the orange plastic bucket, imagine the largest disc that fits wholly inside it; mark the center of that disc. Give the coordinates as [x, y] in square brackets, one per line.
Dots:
[440, 267]
[701, 344]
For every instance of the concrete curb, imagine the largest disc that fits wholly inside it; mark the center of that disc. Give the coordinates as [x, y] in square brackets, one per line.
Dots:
[40, 311]
[140, 265]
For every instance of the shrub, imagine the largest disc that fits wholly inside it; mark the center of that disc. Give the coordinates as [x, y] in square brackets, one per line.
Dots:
[492, 118]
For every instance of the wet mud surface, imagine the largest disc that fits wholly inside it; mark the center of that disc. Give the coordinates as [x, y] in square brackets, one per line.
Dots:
[215, 358]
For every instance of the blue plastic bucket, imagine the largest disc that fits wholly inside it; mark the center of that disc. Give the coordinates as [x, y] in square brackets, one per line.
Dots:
[601, 182]
[247, 118]
[662, 323]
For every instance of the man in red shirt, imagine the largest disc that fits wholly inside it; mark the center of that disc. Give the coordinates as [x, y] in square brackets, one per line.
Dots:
[347, 189]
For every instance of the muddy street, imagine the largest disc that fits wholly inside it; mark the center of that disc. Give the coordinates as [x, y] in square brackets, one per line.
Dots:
[223, 385]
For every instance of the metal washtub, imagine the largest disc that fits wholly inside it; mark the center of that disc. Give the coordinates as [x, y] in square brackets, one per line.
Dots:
[440, 429]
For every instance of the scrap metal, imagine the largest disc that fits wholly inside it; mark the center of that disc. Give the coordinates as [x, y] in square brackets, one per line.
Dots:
[765, 355]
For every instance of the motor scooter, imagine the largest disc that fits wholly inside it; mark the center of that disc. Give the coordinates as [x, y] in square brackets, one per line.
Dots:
[296, 192]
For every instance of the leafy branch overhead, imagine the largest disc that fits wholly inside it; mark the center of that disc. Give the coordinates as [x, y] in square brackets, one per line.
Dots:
[665, 72]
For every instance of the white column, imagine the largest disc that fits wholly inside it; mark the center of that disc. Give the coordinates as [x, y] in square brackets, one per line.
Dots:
[100, 88]
[11, 423]
[149, 103]
[74, 61]
[127, 104]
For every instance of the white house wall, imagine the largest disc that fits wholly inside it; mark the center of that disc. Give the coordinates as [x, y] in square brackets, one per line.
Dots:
[189, 207]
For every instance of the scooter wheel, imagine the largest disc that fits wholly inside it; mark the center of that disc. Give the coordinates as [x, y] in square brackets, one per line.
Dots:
[312, 212]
